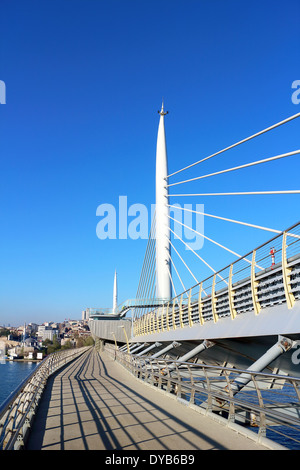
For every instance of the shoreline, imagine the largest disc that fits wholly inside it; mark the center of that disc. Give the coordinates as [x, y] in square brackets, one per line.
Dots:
[22, 360]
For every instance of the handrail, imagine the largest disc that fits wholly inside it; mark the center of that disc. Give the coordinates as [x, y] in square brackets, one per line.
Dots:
[12, 396]
[17, 411]
[128, 304]
[238, 275]
[269, 411]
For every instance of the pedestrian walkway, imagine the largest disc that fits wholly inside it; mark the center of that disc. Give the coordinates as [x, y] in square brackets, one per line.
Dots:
[95, 404]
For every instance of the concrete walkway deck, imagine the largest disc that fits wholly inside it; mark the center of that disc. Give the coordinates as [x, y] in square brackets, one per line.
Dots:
[95, 404]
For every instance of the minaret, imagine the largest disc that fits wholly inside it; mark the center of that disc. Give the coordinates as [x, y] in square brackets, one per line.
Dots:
[163, 265]
[115, 294]
[24, 336]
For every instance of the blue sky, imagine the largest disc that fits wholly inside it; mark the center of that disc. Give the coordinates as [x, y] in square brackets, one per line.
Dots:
[84, 80]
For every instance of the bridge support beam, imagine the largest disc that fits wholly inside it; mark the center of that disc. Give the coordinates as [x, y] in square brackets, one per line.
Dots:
[137, 348]
[155, 345]
[131, 347]
[166, 349]
[283, 345]
[198, 349]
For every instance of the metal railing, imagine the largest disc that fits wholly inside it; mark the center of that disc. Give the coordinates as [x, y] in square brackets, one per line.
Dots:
[267, 409]
[127, 305]
[100, 311]
[266, 276]
[17, 411]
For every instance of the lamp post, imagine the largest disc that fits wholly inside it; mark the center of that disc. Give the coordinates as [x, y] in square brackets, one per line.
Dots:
[114, 339]
[125, 337]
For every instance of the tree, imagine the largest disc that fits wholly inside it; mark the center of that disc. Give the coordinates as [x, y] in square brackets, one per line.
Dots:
[89, 341]
[56, 343]
[4, 332]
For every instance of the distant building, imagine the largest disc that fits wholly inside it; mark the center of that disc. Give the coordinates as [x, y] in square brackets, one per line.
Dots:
[40, 331]
[85, 314]
[31, 343]
[50, 333]
[2, 349]
[47, 332]
[32, 328]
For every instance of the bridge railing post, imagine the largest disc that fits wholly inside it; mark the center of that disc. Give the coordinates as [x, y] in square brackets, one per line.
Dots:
[209, 390]
[149, 322]
[151, 378]
[190, 309]
[262, 415]
[141, 331]
[147, 368]
[289, 296]
[254, 285]
[213, 300]
[231, 413]
[173, 315]
[154, 321]
[158, 320]
[162, 318]
[233, 312]
[178, 379]
[180, 311]
[168, 387]
[167, 317]
[192, 388]
[201, 319]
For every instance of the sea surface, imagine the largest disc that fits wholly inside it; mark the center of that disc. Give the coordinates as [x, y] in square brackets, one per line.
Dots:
[288, 436]
[12, 373]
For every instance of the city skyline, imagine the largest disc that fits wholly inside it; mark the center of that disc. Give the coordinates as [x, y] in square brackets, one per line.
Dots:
[79, 128]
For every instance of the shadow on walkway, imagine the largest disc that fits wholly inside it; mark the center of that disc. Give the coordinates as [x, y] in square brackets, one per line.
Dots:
[93, 403]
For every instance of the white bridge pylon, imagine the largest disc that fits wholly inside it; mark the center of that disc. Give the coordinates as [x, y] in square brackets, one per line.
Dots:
[159, 273]
[163, 265]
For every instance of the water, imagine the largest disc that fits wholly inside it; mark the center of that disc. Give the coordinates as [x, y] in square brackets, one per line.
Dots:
[12, 373]
[288, 436]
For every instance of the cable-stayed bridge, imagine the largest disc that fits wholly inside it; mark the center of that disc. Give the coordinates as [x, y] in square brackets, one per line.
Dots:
[225, 344]
[234, 315]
